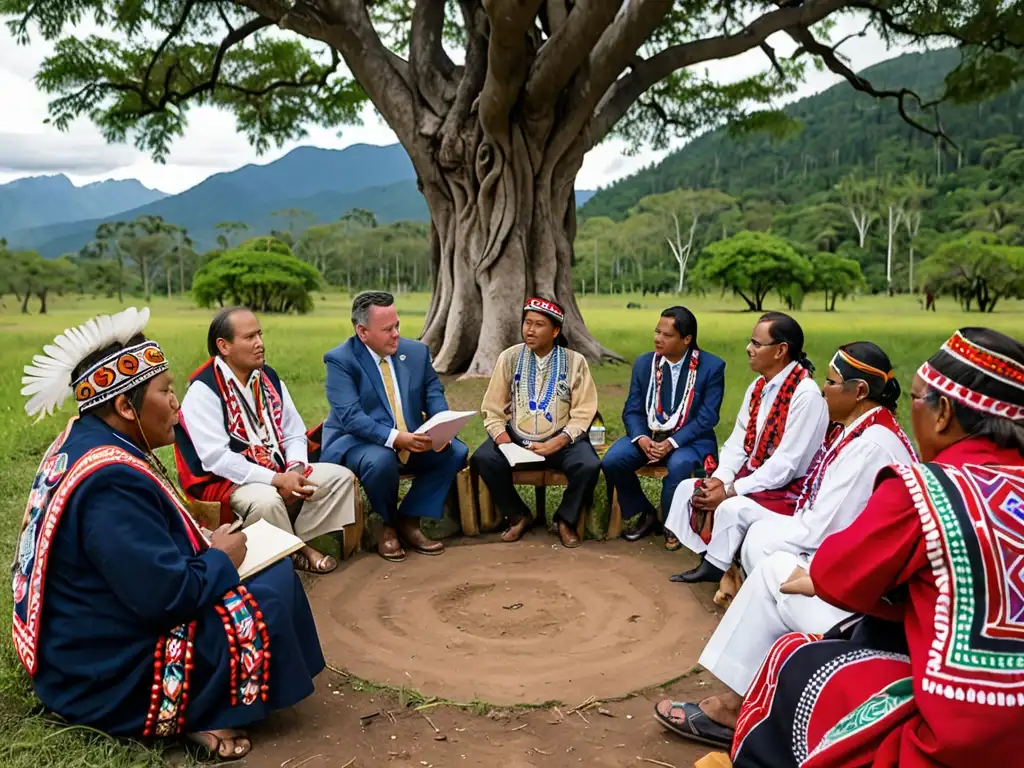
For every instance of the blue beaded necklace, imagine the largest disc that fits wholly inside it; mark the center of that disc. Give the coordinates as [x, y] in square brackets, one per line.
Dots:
[556, 365]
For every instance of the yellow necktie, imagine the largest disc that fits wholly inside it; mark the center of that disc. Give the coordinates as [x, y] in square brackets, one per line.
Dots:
[395, 403]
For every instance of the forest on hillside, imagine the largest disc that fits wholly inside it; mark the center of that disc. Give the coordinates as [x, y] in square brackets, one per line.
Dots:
[852, 180]
[851, 200]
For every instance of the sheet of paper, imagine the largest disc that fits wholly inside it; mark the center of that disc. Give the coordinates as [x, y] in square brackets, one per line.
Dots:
[265, 545]
[516, 454]
[444, 426]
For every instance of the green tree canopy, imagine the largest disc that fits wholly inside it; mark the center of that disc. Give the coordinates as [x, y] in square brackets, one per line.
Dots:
[751, 264]
[836, 276]
[264, 281]
[976, 270]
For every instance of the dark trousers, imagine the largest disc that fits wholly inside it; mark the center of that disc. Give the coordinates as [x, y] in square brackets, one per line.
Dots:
[378, 471]
[622, 461]
[577, 461]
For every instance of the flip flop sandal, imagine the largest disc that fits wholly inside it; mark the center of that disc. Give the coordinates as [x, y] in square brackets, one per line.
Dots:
[325, 564]
[689, 721]
[672, 543]
[201, 740]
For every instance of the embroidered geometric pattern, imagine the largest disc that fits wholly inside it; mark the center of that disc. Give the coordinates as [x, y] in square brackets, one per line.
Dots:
[263, 393]
[172, 666]
[248, 646]
[975, 546]
[809, 696]
[871, 712]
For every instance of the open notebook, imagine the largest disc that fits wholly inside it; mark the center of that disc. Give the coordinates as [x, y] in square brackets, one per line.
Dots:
[265, 546]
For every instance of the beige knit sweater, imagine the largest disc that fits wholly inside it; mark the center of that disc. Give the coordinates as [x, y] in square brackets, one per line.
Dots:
[572, 406]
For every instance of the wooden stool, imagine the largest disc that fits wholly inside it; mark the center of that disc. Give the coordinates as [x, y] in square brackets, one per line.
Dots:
[656, 472]
[489, 516]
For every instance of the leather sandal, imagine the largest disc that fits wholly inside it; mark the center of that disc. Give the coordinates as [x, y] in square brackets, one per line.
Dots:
[689, 721]
[516, 530]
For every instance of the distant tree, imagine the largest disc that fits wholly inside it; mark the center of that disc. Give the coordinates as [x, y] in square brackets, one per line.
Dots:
[57, 275]
[360, 217]
[681, 212]
[150, 241]
[228, 230]
[296, 220]
[976, 269]
[266, 244]
[836, 276]
[108, 244]
[263, 280]
[860, 199]
[752, 264]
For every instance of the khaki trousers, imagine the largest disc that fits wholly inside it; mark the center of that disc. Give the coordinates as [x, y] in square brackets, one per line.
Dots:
[331, 507]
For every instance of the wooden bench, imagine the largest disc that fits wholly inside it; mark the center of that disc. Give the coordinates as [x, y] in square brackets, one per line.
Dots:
[490, 517]
[655, 472]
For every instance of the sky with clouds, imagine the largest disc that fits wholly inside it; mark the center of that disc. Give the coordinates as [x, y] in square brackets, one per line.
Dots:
[28, 147]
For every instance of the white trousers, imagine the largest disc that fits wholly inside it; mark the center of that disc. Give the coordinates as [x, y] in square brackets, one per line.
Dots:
[732, 519]
[758, 616]
[767, 536]
[331, 507]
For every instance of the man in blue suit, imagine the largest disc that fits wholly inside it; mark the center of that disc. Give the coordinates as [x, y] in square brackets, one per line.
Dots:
[380, 388]
[670, 415]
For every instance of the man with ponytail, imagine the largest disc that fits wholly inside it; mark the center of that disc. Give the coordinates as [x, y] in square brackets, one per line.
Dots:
[777, 434]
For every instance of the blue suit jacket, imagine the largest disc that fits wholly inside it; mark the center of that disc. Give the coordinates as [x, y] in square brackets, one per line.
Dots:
[359, 404]
[699, 429]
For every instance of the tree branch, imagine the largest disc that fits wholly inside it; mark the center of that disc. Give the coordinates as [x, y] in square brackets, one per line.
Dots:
[803, 36]
[564, 52]
[507, 55]
[628, 88]
[429, 66]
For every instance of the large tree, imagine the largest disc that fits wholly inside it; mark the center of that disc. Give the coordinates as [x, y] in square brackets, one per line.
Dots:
[496, 101]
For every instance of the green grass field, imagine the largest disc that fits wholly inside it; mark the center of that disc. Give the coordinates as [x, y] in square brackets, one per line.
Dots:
[295, 346]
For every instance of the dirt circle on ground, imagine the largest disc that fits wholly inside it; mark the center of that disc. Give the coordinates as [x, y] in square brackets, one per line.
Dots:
[525, 623]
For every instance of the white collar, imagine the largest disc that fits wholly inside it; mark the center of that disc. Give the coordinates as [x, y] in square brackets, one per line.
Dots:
[863, 417]
[377, 358]
[225, 369]
[777, 379]
[677, 364]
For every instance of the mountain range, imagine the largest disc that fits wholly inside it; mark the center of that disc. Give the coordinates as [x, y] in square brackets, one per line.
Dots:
[306, 186]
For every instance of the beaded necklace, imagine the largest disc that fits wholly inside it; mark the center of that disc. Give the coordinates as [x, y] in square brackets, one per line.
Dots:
[558, 367]
[761, 450]
[656, 411]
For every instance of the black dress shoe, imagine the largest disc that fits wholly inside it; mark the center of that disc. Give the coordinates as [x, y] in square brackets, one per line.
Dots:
[703, 572]
[644, 528]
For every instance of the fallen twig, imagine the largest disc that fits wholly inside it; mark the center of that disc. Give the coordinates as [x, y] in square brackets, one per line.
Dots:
[541, 752]
[582, 717]
[337, 671]
[346, 765]
[436, 729]
[655, 762]
[519, 728]
[591, 701]
[314, 757]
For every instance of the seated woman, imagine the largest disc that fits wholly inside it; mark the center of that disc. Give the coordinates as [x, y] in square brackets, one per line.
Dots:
[932, 673]
[126, 618]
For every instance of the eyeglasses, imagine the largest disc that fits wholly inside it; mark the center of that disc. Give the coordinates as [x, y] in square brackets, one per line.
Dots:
[759, 345]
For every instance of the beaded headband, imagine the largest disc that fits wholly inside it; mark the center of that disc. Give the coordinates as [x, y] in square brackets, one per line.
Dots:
[47, 381]
[545, 307]
[117, 373]
[1001, 376]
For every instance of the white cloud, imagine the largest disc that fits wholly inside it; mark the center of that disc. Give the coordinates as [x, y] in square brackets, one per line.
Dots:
[211, 143]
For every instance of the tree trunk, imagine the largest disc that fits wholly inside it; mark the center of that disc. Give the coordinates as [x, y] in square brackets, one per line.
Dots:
[24, 303]
[502, 230]
[145, 280]
[168, 271]
[41, 294]
[181, 273]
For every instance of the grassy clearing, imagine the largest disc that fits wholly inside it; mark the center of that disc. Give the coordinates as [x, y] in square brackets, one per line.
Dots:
[296, 346]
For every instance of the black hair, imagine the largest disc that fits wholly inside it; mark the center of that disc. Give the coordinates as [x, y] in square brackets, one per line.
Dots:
[221, 327]
[884, 391]
[136, 395]
[684, 321]
[1004, 433]
[560, 340]
[785, 330]
[361, 305]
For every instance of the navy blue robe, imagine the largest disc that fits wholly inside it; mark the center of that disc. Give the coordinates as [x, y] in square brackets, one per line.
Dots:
[122, 572]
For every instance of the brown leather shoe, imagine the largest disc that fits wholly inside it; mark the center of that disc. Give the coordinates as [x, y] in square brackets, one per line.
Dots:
[409, 532]
[567, 535]
[389, 547]
[516, 530]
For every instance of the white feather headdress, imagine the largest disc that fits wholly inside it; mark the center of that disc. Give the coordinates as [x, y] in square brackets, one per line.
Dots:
[48, 380]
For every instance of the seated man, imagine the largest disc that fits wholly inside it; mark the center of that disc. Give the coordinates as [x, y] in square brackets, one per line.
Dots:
[674, 400]
[931, 670]
[379, 386]
[778, 431]
[127, 617]
[244, 444]
[542, 397]
[862, 394]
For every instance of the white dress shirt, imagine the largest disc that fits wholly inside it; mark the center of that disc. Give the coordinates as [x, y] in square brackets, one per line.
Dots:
[390, 442]
[203, 413]
[803, 434]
